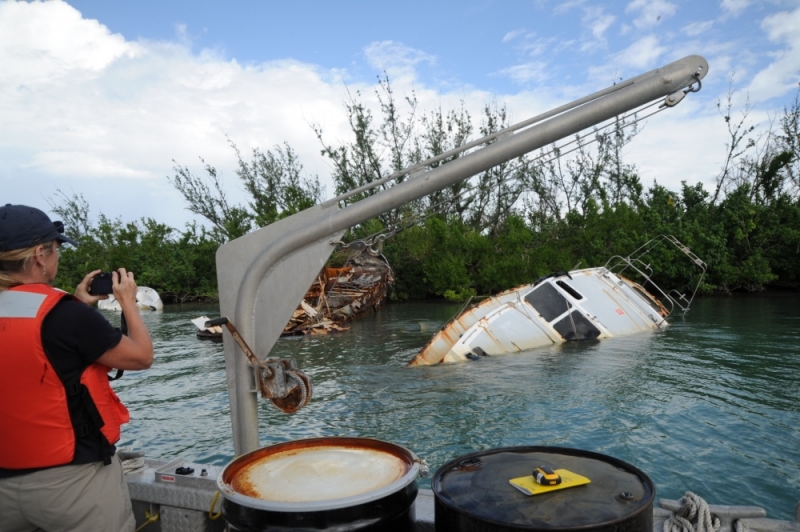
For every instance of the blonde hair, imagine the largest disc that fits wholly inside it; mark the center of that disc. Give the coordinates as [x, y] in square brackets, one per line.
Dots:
[16, 261]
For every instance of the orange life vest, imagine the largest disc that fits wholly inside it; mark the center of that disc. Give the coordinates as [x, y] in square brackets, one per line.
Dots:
[35, 425]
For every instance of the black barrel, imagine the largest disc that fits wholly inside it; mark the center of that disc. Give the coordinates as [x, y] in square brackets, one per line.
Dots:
[473, 493]
[393, 513]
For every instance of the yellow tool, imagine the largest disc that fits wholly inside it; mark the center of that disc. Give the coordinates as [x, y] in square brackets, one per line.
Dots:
[529, 486]
[546, 476]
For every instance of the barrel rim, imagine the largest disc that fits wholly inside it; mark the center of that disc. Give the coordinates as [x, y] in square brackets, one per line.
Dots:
[226, 488]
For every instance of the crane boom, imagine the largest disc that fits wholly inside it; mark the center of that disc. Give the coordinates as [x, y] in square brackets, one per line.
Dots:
[262, 275]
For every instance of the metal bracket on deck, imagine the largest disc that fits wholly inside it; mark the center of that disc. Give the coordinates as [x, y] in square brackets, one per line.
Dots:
[278, 380]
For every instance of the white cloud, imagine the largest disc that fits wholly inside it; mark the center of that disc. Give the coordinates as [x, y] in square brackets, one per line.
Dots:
[534, 46]
[602, 24]
[513, 35]
[783, 73]
[82, 164]
[80, 103]
[533, 49]
[563, 7]
[660, 158]
[598, 21]
[697, 28]
[535, 72]
[397, 59]
[650, 12]
[38, 45]
[594, 18]
[782, 27]
[642, 54]
[529, 44]
[734, 7]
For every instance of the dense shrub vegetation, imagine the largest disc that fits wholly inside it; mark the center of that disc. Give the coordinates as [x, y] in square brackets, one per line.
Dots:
[523, 219]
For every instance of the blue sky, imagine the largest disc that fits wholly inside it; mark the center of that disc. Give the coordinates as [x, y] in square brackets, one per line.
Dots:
[98, 97]
[495, 46]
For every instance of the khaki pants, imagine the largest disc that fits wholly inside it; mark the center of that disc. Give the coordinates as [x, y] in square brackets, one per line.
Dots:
[74, 498]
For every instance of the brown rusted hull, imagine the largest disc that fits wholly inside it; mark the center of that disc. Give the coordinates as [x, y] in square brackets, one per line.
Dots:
[340, 295]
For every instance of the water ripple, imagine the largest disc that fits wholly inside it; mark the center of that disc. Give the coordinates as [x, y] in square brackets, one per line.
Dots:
[710, 404]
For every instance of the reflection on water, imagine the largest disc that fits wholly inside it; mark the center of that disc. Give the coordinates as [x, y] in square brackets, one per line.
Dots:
[709, 405]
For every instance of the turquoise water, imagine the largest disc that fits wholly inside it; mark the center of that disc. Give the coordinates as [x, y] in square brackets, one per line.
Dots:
[709, 405]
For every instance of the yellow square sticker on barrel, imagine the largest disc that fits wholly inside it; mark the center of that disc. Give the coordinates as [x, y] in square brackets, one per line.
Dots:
[529, 486]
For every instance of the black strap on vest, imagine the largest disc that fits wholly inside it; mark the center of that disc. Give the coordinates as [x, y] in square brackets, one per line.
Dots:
[123, 326]
[96, 420]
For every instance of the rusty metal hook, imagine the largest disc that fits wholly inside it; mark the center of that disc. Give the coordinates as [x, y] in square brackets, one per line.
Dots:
[278, 380]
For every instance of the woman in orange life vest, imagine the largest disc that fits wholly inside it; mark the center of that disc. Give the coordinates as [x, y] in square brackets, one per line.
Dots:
[59, 418]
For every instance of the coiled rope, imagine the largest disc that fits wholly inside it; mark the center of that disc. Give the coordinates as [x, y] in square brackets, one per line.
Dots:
[695, 516]
[132, 464]
[131, 460]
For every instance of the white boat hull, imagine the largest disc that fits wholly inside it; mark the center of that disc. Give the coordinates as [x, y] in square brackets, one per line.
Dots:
[587, 304]
[146, 299]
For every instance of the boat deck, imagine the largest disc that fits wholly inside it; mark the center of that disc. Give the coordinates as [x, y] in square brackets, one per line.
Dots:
[184, 503]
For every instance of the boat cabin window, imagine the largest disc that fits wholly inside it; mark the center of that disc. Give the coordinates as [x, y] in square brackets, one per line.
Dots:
[576, 326]
[568, 289]
[548, 301]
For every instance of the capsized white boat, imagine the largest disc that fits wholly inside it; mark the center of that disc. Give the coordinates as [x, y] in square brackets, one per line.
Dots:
[146, 299]
[587, 304]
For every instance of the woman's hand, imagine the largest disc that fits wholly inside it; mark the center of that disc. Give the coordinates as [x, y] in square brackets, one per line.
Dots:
[124, 287]
[134, 351]
[82, 290]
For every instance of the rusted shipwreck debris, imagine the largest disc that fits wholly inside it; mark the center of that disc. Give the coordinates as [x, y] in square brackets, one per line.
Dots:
[340, 295]
[213, 333]
[337, 296]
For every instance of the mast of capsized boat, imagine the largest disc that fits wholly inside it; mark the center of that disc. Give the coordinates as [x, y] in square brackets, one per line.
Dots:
[262, 275]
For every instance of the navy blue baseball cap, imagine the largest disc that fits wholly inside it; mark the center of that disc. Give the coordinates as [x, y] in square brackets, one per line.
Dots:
[24, 227]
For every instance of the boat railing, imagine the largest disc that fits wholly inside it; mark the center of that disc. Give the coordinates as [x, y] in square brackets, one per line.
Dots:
[634, 262]
[623, 265]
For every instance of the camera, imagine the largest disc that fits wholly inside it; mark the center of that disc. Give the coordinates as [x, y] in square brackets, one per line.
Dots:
[102, 284]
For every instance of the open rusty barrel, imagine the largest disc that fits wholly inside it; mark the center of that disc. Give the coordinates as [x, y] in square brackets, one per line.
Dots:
[327, 484]
[473, 493]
